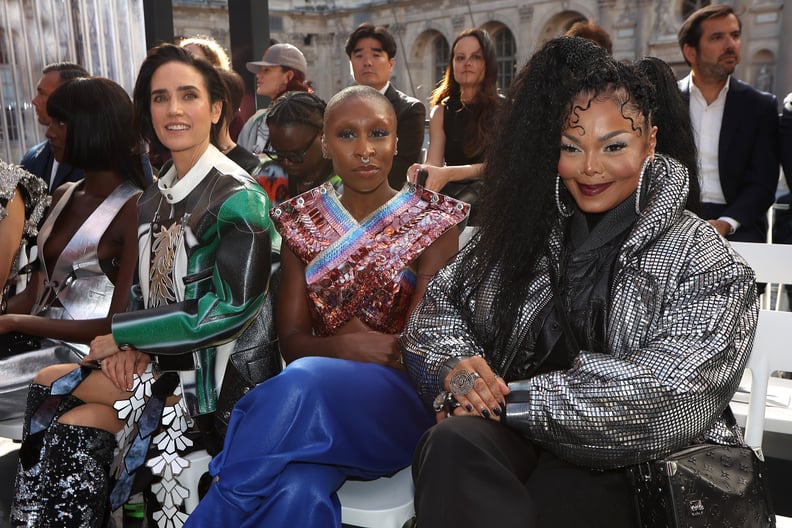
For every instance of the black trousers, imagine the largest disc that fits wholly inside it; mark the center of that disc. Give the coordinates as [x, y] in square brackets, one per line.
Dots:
[471, 472]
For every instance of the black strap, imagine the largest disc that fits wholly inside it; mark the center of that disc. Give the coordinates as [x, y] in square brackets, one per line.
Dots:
[30, 450]
[148, 424]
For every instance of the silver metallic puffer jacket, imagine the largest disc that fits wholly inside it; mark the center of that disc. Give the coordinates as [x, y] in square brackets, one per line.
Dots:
[681, 327]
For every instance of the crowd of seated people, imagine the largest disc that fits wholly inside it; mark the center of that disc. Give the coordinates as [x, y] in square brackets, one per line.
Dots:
[478, 367]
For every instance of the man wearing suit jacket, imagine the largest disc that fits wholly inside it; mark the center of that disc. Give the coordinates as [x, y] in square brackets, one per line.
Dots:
[372, 51]
[735, 125]
[785, 133]
[39, 159]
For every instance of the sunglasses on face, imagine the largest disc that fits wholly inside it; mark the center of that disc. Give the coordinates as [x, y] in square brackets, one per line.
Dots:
[295, 157]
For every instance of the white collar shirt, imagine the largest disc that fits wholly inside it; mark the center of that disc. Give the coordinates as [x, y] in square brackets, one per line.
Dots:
[706, 120]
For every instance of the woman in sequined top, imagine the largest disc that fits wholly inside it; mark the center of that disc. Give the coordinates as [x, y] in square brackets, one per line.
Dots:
[23, 200]
[354, 266]
[611, 331]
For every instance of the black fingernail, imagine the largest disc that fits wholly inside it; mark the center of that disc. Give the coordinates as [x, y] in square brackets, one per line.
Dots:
[502, 405]
[497, 411]
[485, 413]
[469, 408]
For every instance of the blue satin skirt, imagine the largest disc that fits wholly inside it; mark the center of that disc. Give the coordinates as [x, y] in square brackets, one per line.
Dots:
[295, 439]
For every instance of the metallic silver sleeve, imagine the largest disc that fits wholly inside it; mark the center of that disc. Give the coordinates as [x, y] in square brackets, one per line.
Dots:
[681, 329]
[435, 333]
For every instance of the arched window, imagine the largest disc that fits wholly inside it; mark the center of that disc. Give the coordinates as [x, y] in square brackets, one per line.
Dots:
[688, 6]
[505, 49]
[441, 55]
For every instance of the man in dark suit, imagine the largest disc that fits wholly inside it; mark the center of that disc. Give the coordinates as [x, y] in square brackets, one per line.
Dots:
[735, 125]
[785, 133]
[372, 51]
[39, 159]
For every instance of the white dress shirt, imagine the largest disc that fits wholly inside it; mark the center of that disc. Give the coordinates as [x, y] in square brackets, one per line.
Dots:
[706, 120]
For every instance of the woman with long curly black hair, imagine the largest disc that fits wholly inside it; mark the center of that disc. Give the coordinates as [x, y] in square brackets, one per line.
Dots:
[592, 323]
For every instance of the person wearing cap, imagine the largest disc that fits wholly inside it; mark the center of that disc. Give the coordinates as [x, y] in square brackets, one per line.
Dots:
[372, 50]
[281, 69]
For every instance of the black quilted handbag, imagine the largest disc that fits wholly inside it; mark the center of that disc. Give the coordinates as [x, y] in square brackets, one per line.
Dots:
[704, 485]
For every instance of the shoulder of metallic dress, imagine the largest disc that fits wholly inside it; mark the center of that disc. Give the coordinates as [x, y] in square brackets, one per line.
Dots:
[428, 200]
[33, 191]
[456, 209]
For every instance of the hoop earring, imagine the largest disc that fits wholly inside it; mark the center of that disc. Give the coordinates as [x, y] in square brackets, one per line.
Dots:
[645, 165]
[563, 209]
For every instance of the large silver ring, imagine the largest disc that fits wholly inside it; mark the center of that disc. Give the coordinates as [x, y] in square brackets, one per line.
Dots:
[462, 382]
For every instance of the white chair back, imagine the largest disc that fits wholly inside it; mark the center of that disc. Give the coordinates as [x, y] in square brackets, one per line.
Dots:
[772, 264]
[767, 356]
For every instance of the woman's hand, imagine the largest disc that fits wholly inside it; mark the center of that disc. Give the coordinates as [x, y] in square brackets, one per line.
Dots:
[373, 347]
[101, 347]
[477, 389]
[436, 177]
[122, 367]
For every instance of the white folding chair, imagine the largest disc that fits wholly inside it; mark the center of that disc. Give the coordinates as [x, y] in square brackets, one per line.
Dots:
[383, 503]
[466, 235]
[767, 356]
[191, 476]
[771, 263]
[12, 428]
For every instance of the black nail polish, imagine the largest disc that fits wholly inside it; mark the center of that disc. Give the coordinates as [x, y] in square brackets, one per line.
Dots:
[485, 413]
[497, 411]
[469, 408]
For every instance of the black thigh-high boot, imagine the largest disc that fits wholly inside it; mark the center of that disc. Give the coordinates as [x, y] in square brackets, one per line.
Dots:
[76, 476]
[27, 505]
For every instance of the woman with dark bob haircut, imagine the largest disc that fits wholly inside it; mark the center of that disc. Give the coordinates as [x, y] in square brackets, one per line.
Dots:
[203, 244]
[90, 219]
[87, 254]
[591, 324]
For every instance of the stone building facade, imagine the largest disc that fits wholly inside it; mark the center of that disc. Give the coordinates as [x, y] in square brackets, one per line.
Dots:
[424, 29]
